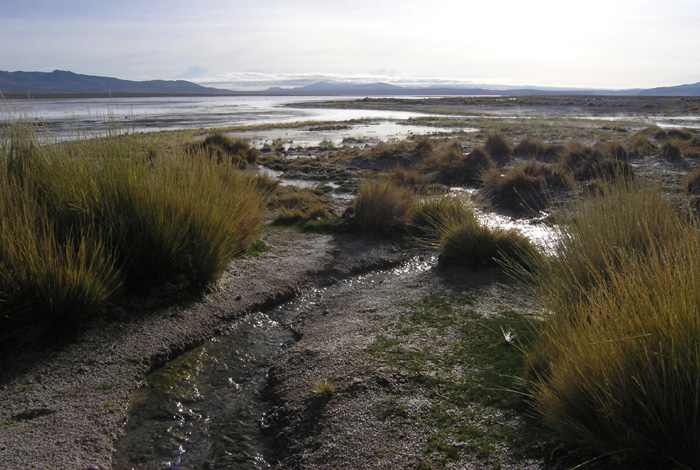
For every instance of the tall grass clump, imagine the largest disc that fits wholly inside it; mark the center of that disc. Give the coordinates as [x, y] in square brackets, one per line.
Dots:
[452, 166]
[587, 163]
[383, 206]
[526, 186]
[107, 208]
[224, 149]
[614, 372]
[498, 146]
[452, 228]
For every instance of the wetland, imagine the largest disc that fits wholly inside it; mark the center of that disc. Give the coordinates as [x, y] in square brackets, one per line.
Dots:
[333, 346]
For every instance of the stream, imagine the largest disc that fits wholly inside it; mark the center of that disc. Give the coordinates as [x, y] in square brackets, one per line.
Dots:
[205, 409]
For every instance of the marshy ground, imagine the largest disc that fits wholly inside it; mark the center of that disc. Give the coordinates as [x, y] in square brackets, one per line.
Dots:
[416, 370]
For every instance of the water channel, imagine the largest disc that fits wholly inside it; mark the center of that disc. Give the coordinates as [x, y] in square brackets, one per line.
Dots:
[206, 408]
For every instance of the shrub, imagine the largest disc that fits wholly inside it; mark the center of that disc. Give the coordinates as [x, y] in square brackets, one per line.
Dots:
[614, 372]
[498, 146]
[383, 206]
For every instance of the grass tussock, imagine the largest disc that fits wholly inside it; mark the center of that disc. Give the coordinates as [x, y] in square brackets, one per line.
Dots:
[92, 215]
[383, 206]
[295, 205]
[452, 228]
[409, 178]
[691, 183]
[452, 166]
[525, 187]
[586, 163]
[530, 148]
[223, 149]
[614, 371]
[498, 146]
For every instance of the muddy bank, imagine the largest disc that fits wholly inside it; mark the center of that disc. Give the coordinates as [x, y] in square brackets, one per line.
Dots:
[64, 405]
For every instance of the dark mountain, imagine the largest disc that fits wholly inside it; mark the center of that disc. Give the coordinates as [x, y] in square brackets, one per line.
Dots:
[61, 82]
[680, 90]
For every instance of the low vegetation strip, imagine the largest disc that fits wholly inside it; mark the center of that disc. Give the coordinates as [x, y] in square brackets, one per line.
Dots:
[86, 220]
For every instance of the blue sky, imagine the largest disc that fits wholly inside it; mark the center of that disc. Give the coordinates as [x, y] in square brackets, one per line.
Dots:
[256, 44]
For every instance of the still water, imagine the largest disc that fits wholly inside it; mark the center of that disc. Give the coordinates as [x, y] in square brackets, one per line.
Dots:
[70, 118]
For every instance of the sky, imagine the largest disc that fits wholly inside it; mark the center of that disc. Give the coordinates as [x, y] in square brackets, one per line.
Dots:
[249, 45]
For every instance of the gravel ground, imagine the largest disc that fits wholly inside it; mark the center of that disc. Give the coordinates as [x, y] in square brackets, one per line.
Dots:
[63, 405]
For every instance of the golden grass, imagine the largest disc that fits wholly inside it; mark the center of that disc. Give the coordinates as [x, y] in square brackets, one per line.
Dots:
[614, 374]
[104, 209]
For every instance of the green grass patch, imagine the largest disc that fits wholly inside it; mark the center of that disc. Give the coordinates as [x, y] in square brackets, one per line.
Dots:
[462, 362]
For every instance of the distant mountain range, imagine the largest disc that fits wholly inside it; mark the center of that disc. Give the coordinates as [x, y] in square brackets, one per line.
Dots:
[64, 83]
[60, 82]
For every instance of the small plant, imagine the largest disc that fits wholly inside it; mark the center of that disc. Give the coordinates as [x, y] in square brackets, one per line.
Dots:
[324, 388]
[508, 335]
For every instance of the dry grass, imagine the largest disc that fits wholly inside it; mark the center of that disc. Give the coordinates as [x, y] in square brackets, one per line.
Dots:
[451, 166]
[527, 186]
[498, 146]
[383, 206]
[102, 211]
[614, 372]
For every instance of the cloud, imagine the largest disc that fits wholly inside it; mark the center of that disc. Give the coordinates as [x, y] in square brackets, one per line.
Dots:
[258, 81]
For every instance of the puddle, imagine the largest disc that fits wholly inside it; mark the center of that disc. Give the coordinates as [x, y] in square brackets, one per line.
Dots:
[205, 409]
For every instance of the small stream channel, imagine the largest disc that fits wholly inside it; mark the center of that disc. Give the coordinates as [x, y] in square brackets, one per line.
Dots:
[205, 409]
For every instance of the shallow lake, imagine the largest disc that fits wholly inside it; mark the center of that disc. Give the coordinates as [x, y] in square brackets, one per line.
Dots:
[69, 118]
